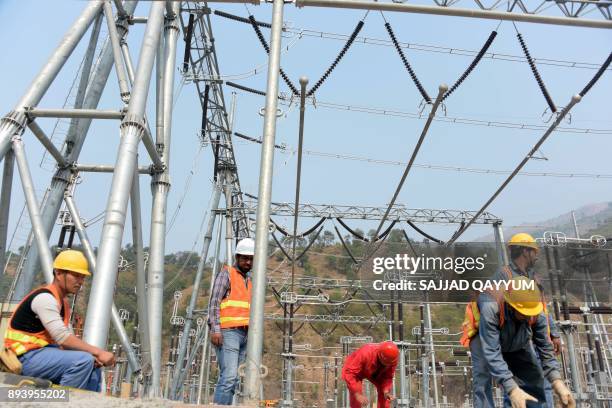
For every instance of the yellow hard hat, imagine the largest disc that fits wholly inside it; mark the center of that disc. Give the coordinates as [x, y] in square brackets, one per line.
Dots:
[524, 295]
[525, 240]
[73, 261]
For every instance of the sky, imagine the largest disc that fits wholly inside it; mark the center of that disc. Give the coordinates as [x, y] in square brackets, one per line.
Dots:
[368, 76]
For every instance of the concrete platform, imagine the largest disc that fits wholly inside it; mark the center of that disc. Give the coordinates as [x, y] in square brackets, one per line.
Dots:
[83, 399]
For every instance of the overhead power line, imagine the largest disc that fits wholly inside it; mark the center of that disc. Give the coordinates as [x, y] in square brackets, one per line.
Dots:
[327, 35]
[411, 115]
[341, 156]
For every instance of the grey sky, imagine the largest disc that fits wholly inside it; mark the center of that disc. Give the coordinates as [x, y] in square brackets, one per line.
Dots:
[369, 75]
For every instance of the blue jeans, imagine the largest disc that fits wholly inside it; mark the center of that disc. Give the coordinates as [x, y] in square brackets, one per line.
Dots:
[482, 388]
[230, 355]
[64, 367]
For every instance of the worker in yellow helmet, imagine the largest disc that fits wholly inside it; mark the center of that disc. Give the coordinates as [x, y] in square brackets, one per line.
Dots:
[507, 323]
[524, 252]
[39, 331]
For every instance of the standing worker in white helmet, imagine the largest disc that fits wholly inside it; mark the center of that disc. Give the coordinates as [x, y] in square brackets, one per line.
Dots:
[228, 318]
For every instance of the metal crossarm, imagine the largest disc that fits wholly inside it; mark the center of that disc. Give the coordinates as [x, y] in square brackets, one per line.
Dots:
[398, 212]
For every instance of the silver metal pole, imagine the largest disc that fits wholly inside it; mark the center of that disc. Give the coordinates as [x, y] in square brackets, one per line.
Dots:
[92, 91]
[14, 122]
[433, 354]
[229, 236]
[33, 209]
[502, 251]
[105, 168]
[91, 258]
[160, 186]
[141, 277]
[119, 65]
[74, 113]
[215, 268]
[120, 9]
[403, 402]
[256, 323]
[99, 306]
[47, 143]
[203, 377]
[147, 139]
[214, 206]
[456, 12]
[5, 203]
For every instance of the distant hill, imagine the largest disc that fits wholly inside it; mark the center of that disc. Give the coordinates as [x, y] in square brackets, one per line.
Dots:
[591, 219]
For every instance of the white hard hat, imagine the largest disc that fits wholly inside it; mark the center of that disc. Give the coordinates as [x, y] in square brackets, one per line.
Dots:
[246, 247]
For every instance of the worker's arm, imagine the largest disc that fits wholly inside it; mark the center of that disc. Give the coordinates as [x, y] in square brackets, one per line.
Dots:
[550, 366]
[103, 357]
[219, 291]
[47, 309]
[351, 372]
[386, 378]
[489, 332]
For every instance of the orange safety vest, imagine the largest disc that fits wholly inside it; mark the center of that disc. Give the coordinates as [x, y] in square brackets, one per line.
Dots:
[235, 308]
[21, 341]
[472, 315]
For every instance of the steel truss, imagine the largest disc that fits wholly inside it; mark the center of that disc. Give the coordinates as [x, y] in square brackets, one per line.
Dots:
[572, 12]
[398, 212]
[195, 20]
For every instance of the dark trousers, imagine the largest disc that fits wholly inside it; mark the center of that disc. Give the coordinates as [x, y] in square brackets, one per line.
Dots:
[524, 366]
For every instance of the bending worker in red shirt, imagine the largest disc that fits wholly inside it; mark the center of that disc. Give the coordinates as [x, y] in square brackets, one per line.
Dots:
[376, 363]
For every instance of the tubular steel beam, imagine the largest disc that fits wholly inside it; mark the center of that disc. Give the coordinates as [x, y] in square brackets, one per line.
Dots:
[132, 127]
[160, 187]
[105, 168]
[47, 143]
[455, 12]
[89, 93]
[5, 203]
[91, 258]
[179, 368]
[14, 122]
[141, 279]
[147, 139]
[256, 320]
[74, 113]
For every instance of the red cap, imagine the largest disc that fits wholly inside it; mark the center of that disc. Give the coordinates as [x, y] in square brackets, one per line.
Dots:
[388, 354]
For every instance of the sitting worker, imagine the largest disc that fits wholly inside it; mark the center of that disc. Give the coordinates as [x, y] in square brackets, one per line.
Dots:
[524, 251]
[228, 318]
[499, 328]
[40, 334]
[376, 363]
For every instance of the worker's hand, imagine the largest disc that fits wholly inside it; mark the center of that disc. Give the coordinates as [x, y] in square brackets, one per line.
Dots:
[519, 398]
[388, 396]
[362, 399]
[564, 394]
[556, 341]
[216, 339]
[104, 358]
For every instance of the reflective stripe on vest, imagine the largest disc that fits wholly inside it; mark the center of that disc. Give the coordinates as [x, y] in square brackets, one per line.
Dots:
[21, 341]
[235, 308]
